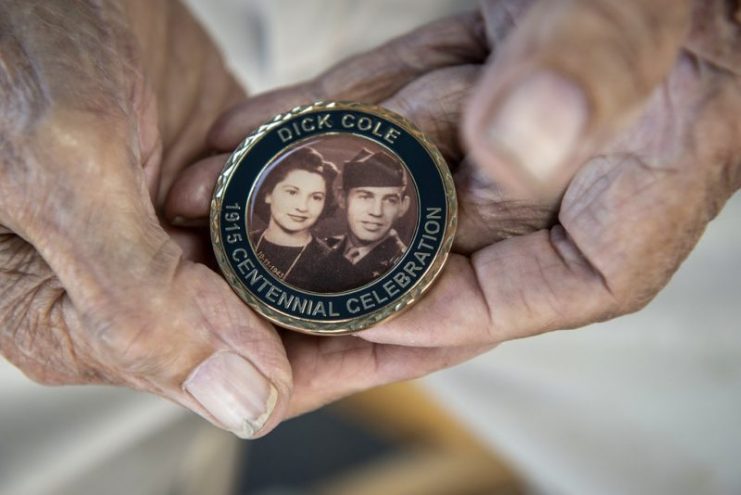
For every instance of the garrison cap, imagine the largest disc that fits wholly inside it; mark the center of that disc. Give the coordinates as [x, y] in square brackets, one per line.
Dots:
[368, 169]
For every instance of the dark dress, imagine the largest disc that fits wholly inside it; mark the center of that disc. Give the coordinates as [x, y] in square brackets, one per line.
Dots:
[341, 275]
[300, 266]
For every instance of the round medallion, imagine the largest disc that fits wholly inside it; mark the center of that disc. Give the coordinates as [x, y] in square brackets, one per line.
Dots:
[333, 217]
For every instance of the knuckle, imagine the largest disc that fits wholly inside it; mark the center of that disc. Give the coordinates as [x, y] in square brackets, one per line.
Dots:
[714, 34]
[633, 286]
[34, 336]
[138, 342]
[126, 343]
[23, 283]
[22, 98]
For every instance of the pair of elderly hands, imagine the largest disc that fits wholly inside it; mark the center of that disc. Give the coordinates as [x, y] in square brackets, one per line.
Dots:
[590, 141]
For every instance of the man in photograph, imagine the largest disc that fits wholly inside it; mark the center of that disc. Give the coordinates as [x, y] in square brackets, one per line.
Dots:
[374, 197]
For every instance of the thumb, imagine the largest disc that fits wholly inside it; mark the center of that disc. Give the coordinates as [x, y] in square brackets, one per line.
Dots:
[136, 313]
[105, 293]
[571, 75]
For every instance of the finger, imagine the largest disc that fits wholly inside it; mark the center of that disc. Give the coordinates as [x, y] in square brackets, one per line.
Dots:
[326, 370]
[370, 77]
[489, 213]
[189, 199]
[195, 243]
[486, 212]
[571, 75]
[188, 87]
[433, 102]
[209, 87]
[517, 287]
[626, 223]
[715, 35]
[44, 336]
[30, 294]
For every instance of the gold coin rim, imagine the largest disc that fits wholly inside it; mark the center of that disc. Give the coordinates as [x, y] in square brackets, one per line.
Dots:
[337, 327]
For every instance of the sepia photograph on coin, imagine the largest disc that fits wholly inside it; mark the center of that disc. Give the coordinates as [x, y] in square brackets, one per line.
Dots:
[333, 217]
[333, 214]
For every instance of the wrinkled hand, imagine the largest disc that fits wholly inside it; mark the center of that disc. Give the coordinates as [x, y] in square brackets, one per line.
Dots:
[96, 119]
[622, 196]
[425, 76]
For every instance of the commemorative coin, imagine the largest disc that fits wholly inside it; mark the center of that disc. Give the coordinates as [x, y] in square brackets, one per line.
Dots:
[333, 217]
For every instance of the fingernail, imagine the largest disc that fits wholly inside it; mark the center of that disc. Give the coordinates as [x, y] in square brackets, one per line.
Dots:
[539, 123]
[234, 392]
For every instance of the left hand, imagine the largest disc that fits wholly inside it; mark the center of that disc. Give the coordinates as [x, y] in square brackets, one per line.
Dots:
[520, 265]
[102, 102]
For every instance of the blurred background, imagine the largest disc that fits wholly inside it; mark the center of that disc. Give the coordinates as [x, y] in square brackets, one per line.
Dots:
[649, 403]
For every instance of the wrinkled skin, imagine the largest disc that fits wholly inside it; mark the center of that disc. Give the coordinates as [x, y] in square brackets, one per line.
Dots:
[95, 130]
[601, 238]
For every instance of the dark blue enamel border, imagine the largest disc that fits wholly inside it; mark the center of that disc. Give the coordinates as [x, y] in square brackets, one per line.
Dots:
[431, 194]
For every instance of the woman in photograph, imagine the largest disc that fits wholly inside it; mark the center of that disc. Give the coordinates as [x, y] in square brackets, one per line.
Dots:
[293, 197]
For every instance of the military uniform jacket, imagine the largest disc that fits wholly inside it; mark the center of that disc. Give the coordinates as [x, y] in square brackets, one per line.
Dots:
[341, 274]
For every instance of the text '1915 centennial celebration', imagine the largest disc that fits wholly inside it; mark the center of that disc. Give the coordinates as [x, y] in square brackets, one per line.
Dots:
[333, 217]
